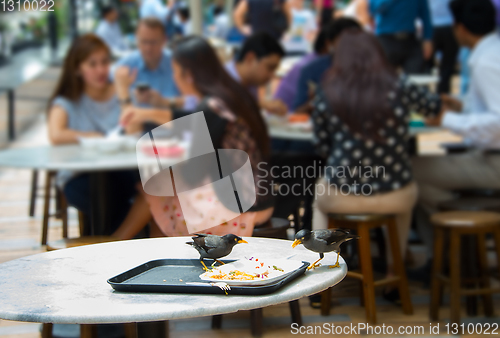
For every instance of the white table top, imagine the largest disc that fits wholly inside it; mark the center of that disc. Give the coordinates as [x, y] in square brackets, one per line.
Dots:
[68, 157]
[424, 80]
[285, 132]
[70, 286]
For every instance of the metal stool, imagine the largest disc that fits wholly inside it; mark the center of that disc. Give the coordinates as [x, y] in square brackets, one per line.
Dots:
[454, 225]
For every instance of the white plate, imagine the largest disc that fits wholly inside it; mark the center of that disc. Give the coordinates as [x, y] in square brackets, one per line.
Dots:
[289, 266]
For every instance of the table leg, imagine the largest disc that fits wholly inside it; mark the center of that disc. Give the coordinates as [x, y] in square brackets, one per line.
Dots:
[153, 329]
[88, 331]
[47, 330]
[216, 322]
[295, 312]
[256, 319]
[131, 330]
[99, 194]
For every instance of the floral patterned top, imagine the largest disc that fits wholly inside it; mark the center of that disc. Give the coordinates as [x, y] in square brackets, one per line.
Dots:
[360, 165]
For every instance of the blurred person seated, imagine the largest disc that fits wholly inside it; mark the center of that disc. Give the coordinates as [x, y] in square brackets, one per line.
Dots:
[287, 89]
[311, 74]
[84, 104]
[303, 28]
[147, 72]
[395, 26]
[257, 16]
[479, 122]
[255, 66]
[361, 128]
[444, 42]
[109, 29]
[360, 11]
[234, 122]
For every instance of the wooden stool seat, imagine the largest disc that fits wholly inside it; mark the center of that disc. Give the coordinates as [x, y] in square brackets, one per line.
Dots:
[454, 225]
[79, 241]
[465, 219]
[359, 218]
[362, 224]
[471, 204]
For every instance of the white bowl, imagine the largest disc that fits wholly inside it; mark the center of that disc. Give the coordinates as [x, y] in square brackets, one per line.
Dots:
[110, 145]
[90, 143]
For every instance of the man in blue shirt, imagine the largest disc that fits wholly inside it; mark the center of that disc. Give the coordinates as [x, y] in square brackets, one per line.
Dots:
[147, 73]
[312, 74]
[395, 22]
[444, 42]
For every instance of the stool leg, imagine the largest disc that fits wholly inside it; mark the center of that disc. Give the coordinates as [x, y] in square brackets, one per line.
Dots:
[455, 277]
[326, 302]
[256, 318]
[34, 187]
[399, 269]
[63, 204]
[484, 274]
[436, 287]
[295, 312]
[46, 207]
[470, 276]
[88, 331]
[365, 260]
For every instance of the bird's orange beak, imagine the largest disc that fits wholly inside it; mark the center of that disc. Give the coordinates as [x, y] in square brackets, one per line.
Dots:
[296, 242]
[242, 241]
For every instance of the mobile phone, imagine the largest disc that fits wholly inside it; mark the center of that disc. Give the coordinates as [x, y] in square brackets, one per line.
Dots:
[142, 87]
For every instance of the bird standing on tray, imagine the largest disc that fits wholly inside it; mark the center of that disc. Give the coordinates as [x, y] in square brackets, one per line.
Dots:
[214, 247]
[321, 241]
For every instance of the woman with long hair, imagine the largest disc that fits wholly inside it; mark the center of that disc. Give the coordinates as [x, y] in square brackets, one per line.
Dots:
[234, 122]
[361, 121]
[84, 104]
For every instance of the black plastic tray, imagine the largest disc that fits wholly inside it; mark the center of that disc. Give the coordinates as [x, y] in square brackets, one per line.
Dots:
[165, 275]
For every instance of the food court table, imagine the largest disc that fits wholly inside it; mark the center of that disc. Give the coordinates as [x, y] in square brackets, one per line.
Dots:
[69, 286]
[74, 157]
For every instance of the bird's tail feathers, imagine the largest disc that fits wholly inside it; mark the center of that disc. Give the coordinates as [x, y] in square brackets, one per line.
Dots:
[190, 243]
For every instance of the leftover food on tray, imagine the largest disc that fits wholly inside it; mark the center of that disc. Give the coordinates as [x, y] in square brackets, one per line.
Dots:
[251, 269]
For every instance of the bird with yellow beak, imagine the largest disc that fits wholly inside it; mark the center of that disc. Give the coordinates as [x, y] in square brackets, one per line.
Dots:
[322, 241]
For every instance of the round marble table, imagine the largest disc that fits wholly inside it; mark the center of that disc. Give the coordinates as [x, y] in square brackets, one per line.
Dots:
[69, 286]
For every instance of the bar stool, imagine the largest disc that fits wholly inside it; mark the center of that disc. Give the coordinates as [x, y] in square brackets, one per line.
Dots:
[362, 225]
[472, 201]
[454, 225]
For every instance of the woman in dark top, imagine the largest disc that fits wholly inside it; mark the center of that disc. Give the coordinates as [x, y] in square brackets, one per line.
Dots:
[361, 120]
[234, 122]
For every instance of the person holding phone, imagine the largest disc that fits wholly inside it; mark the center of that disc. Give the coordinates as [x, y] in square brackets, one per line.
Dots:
[144, 77]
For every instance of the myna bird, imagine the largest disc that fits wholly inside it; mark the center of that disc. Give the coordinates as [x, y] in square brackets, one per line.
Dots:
[323, 240]
[214, 247]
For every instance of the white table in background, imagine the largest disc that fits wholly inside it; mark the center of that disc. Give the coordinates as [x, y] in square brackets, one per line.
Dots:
[70, 286]
[74, 157]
